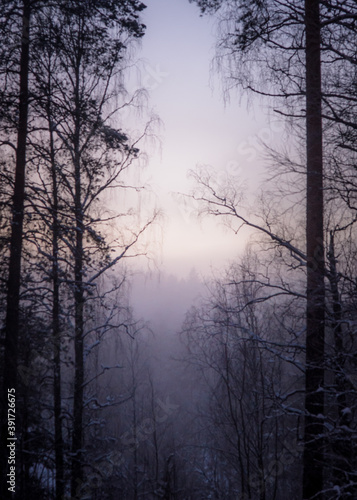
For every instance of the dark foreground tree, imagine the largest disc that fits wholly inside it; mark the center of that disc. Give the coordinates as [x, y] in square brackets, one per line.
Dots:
[71, 65]
[313, 459]
[273, 38]
[86, 155]
[19, 16]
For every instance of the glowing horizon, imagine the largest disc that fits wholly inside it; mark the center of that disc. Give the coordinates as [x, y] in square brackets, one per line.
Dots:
[198, 128]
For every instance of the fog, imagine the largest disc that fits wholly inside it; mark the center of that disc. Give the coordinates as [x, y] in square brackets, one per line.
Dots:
[178, 307]
[163, 299]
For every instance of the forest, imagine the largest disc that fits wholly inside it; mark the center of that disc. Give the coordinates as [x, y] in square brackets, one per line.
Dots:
[253, 396]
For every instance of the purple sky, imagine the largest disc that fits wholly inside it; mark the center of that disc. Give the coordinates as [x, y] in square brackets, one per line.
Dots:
[198, 128]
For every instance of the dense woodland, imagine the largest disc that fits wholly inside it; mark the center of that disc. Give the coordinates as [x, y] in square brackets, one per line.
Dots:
[254, 396]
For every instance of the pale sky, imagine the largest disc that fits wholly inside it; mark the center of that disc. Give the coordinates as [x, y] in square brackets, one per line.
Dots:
[198, 128]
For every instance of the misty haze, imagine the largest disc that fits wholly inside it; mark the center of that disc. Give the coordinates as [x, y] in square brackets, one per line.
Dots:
[178, 272]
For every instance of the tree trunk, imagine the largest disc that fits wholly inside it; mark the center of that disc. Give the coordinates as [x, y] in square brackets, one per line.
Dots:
[77, 436]
[135, 436]
[313, 457]
[56, 327]
[77, 431]
[13, 286]
[342, 444]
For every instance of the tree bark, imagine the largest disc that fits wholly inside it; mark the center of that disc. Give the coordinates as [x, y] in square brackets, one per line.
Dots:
[313, 457]
[56, 332]
[342, 444]
[12, 322]
[77, 435]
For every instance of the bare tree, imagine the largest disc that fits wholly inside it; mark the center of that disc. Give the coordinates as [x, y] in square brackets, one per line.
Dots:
[248, 366]
[14, 271]
[258, 42]
[85, 156]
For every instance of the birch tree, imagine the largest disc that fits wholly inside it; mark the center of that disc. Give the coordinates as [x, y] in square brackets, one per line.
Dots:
[78, 151]
[274, 49]
[88, 44]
